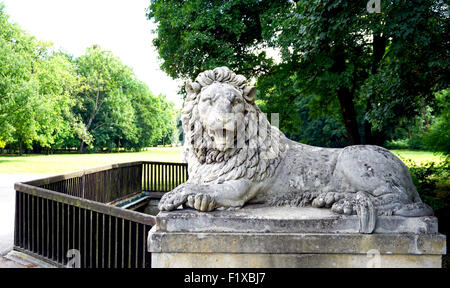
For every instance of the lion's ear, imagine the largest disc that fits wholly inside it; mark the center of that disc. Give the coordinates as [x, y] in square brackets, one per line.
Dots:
[192, 88]
[249, 94]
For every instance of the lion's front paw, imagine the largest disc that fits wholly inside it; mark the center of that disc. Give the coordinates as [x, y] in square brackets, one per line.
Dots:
[360, 204]
[172, 199]
[326, 199]
[344, 206]
[201, 202]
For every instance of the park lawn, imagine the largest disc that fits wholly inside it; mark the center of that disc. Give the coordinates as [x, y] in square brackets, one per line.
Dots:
[419, 157]
[63, 163]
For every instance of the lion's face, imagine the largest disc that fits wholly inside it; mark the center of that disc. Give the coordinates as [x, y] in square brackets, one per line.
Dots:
[227, 137]
[220, 107]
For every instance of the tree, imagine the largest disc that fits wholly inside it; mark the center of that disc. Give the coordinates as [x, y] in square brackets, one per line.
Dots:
[413, 44]
[383, 65]
[58, 83]
[51, 100]
[197, 35]
[117, 109]
[36, 91]
[167, 119]
[154, 116]
[19, 99]
[437, 138]
[372, 71]
[105, 110]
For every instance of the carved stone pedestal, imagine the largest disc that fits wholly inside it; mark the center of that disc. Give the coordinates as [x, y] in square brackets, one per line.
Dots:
[259, 236]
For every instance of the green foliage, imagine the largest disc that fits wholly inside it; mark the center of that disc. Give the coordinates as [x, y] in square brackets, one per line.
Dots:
[51, 100]
[197, 35]
[413, 143]
[117, 109]
[426, 178]
[371, 72]
[20, 103]
[432, 180]
[428, 131]
[397, 144]
[415, 64]
[437, 138]
[57, 84]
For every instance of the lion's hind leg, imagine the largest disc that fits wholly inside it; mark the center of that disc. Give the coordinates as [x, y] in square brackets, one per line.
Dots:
[417, 209]
[395, 200]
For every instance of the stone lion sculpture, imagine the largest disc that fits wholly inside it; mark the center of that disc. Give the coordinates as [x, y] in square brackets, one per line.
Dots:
[236, 157]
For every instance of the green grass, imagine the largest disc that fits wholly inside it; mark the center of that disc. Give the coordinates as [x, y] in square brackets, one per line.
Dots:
[63, 163]
[419, 157]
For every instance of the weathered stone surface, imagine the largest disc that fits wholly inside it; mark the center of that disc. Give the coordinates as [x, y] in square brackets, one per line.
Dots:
[299, 243]
[236, 157]
[213, 249]
[221, 260]
[261, 236]
[261, 218]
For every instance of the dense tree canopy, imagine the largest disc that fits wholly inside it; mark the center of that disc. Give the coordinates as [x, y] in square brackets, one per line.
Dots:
[194, 35]
[366, 72]
[50, 100]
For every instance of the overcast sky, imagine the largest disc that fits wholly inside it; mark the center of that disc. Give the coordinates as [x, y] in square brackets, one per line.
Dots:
[119, 26]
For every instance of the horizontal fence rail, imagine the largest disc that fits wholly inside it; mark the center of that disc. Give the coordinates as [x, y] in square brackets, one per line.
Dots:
[62, 217]
[103, 184]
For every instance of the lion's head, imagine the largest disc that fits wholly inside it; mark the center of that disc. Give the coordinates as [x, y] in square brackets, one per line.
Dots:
[226, 134]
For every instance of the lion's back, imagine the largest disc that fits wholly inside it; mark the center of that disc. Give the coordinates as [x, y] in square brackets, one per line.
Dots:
[307, 168]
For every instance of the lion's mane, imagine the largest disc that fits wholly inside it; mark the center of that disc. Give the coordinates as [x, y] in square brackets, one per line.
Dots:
[258, 157]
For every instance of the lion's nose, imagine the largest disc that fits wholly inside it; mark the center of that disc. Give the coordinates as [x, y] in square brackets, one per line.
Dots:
[220, 120]
[223, 105]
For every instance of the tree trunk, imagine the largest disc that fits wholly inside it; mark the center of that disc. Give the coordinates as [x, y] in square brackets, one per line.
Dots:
[91, 118]
[379, 48]
[425, 116]
[80, 150]
[373, 137]
[348, 112]
[345, 97]
[368, 136]
[20, 147]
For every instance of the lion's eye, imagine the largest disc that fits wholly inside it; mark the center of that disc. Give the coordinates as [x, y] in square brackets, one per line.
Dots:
[206, 98]
[238, 100]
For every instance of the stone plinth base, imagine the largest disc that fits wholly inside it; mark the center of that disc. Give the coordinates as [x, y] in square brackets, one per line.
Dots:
[259, 236]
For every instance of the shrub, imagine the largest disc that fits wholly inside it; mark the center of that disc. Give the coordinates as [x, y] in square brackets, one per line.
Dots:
[426, 178]
[432, 181]
[413, 143]
[397, 144]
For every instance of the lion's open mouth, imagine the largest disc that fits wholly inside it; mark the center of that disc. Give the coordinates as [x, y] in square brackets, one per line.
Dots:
[223, 139]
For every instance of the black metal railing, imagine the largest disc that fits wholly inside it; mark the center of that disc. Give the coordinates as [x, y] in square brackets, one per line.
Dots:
[163, 177]
[58, 215]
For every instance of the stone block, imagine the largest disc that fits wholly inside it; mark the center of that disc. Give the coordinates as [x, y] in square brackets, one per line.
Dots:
[259, 236]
